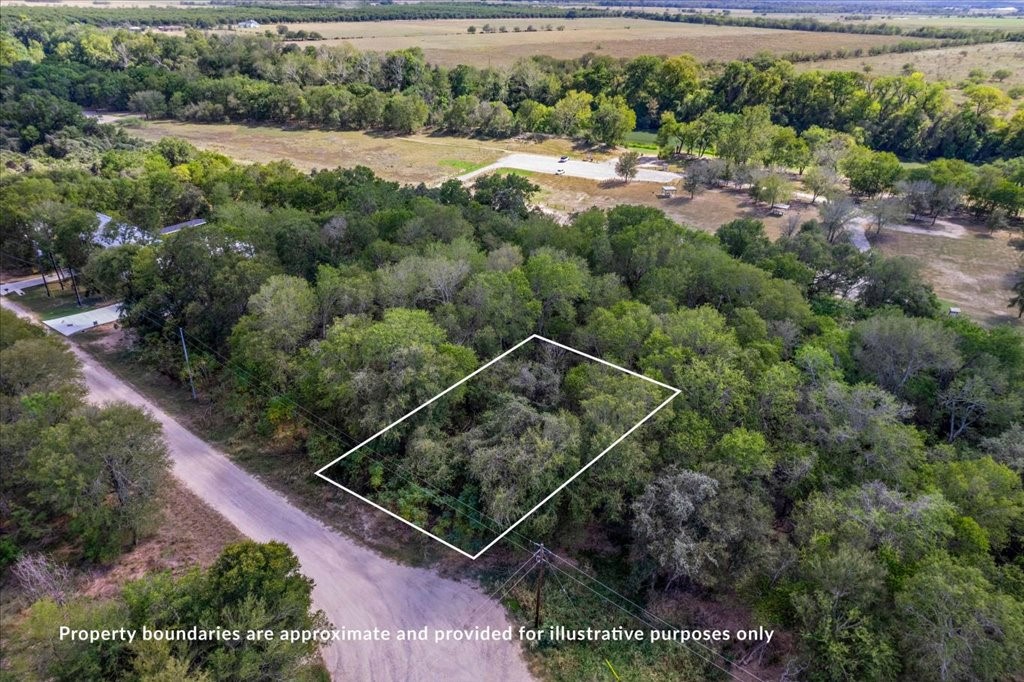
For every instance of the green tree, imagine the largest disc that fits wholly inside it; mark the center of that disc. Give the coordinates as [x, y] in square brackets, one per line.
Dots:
[611, 121]
[150, 103]
[893, 350]
[508, 193]
[745, 136]
[956, 626]
[571, 115]
[772, 188]
[988, 492]
[627, 166]
[898, 281]
[371, 373]
[871, 172]
[405, 113]
[558, 281]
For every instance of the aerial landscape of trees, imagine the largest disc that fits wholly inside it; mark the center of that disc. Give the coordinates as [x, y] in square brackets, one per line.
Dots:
[843, 462]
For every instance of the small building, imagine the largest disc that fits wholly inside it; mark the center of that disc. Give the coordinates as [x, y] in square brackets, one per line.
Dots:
[171, 229]
[954, 312]
[779, 209]
[248, 23]
[668, 191]
[112, 233]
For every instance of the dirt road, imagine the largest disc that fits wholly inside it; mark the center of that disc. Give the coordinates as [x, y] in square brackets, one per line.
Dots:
[355, 587]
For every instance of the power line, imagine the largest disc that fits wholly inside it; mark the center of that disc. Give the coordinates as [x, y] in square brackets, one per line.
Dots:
[707, 660]
[477, 516]
[481, 515]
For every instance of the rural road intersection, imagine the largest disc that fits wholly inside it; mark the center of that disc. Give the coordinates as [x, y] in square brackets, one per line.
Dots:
[355, 587]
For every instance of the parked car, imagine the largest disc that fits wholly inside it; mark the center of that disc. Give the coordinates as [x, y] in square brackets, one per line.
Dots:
[560, 171]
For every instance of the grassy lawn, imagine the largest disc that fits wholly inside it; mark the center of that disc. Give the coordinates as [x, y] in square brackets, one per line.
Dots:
[641, 139]
[460, 165]
[59, 303]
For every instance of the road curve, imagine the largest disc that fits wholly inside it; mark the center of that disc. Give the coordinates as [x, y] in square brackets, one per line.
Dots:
[355, 587]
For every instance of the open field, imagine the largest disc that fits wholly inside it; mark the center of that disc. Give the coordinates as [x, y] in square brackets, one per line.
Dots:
[707, 211]
[412, 159]
[447, 42]
[109, 4]
[974, 272]
[1009, 22]
[948, 64]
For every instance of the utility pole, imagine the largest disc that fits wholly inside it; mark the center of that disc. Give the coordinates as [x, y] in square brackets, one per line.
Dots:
[60, 279]
[188, 363]
[74, 285]
[542, 559]
[42, 273]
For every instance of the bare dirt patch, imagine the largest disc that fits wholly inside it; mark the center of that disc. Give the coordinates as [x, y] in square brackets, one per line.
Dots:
[190, 534]
[973, 273]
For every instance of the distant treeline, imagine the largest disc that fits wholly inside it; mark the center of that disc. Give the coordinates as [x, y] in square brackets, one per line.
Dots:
[209, 17]
[216, 16]
[884, 7]
[973, 35]
[219, 77]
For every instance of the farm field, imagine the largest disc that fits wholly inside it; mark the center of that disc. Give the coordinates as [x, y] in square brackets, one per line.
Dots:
[448, 43]
[1009, 22]
[412, 159]
[949, 64]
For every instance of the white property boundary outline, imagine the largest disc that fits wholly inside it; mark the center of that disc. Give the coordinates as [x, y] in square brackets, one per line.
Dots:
[675, 392]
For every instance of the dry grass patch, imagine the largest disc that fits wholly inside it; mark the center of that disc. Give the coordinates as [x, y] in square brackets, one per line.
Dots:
[190, 534]
[974, 273]
[405, 159]
[707, 211]
[448, 42]
[951, 64]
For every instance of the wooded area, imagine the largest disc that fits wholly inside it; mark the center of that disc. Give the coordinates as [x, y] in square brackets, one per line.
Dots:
[844, 460]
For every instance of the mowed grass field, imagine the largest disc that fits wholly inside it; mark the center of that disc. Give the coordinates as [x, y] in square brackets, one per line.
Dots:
[406, 159]
[447, 42]
[951, 64]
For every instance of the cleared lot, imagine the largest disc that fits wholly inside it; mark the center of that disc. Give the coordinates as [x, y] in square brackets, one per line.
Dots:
[410, 159]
